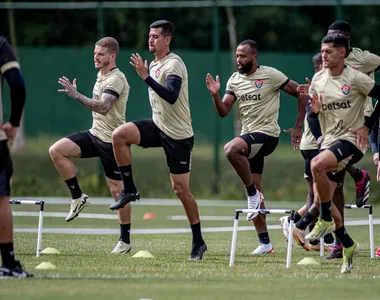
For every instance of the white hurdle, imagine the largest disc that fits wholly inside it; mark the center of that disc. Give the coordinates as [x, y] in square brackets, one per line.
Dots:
[40, 219]
[370, 224]
[263, 211]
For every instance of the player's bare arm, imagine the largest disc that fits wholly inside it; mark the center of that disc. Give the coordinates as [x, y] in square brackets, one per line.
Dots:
[100, 106]
[224, 106]
[296, 131]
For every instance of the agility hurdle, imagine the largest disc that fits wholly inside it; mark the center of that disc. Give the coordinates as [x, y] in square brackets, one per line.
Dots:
[40, 219]
[265, 212]
[370, 224]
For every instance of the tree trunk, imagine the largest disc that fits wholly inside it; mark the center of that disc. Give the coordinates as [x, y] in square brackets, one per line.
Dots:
[233, 44]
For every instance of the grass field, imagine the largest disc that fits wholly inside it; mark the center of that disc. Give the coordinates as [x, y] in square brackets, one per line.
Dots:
[86, 270]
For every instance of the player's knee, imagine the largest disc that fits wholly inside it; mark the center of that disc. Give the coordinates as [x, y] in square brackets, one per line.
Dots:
[316, 167]
[117, 136]
[54, 152]
[179, 189]
[230, 150]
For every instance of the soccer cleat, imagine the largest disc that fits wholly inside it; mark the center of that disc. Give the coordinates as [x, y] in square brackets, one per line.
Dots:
[362, 189]
[125, 198]
[254, 202]
[336, 253]
[348, 257]
[263, 249]
[285, 226]
[121, 247]
[77, 206]
[16, 272]
[197, 252]
[378, 253]
[299, 236]
[320, 229]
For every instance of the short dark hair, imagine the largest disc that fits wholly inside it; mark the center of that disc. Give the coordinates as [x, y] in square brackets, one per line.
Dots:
[317, 60]
[342, 26]
[110, 43]
[252, 44]
[338, 39]
[167, 27]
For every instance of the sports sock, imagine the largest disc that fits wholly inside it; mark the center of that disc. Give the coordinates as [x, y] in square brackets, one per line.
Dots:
[358, 175]
[329, 239]
[125, 230]
[344, 237]
[197, 234]
[74, 188]
[326, 211]
[8, 255]
[305, 221]
[126, 175]
[251, 190]
[264, 238]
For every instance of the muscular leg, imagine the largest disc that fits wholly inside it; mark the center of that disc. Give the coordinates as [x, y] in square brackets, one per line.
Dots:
[6, 232]
[260, 222]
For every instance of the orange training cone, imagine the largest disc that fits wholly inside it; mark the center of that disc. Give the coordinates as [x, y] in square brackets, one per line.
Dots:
[149, 216]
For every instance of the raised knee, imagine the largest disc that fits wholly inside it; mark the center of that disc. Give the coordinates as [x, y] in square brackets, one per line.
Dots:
[117, 136]
[54, 151]
[229, 150]
[316, 166]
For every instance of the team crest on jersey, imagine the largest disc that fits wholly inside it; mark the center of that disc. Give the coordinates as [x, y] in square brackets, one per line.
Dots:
[259, 83]
[346, 89]
[158, 72]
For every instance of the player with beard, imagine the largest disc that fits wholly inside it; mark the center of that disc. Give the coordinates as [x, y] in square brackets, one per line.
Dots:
[256, 89]
[169, 128]
[108, 104]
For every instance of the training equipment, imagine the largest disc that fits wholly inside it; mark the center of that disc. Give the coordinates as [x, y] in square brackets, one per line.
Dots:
[308, 261]
[46, 265]
[40, 219]
[50, 250]
[149, 216]
[370, 224]
[263, 211]
[378, 253]
[143, 254]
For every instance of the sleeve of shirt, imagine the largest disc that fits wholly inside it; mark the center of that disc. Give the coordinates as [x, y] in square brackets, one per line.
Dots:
[114, 86]
[279, 80]
[229, 87]
[175, 67]
[8, 58]
[363, 83]
[371, 61]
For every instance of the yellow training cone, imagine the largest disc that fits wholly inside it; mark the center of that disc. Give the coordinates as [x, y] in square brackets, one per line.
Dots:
[50, 250]
[46, 265]
[144, 254]
[308, 261]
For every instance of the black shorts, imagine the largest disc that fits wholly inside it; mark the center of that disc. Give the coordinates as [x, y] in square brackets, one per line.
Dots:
[6, 169]
[178, 152]
[308, 155]
[347, 154]
[259, 146]
[91, 146]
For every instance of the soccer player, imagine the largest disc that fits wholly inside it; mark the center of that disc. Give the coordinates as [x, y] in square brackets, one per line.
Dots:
[374, 143]
[108, 104]
[256, 89]
[338, 95]
[10, 70]
[169, 128]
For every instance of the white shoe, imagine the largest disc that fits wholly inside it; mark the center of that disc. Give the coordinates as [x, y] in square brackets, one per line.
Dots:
[77, 206]
[263, 249]
[121, 247]
[254, 202]
[285, 226]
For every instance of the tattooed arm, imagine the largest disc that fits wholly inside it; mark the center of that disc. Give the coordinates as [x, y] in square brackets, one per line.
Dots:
[100, 106]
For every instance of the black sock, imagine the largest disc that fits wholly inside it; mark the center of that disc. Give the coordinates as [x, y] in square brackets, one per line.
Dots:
[305, 221]
[338, 242]
[311, 226]
[251, 190]
[264, 238]
[74, 188]
[7, 255]
[125, 230]
[329, 238]
[326, 211]
[126, 175]
[358, 175]
[197, 234]
[344, 237]
[297, 217]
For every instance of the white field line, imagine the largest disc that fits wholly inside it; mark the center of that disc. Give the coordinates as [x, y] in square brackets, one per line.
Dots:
[99, 231]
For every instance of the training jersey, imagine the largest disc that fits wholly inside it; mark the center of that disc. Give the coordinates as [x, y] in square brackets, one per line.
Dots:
[173, 119]
[114, 83]
[258, 97]
[7, 61]
[364, 61]
[343, 99]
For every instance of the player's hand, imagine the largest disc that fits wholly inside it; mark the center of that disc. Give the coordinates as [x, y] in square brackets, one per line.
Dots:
[212, 85]
[296, 133]
[140, 66]
[316, 103]
[70, 88]
[376, 158]
[10, 131]
[303, 89]
[361, 136]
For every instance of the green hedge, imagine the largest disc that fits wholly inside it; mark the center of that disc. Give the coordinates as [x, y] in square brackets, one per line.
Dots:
[35, 175]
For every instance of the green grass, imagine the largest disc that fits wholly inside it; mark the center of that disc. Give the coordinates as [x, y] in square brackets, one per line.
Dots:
[86, 270]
